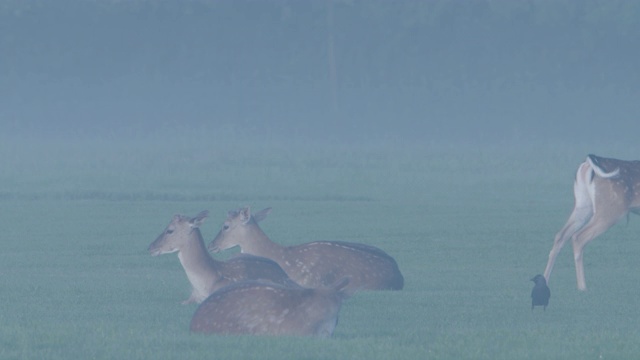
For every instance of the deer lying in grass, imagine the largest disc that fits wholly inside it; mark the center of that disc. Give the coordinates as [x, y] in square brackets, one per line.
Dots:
[206, 274]
[605, 191]
[268, 309]
[313, 264]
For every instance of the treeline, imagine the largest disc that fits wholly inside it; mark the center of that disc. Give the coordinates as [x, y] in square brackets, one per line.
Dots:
[375, 41]
[330, 59]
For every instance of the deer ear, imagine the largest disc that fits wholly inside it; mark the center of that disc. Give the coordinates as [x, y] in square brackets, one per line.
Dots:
[199, 219]
[245, 214]
[262, 214]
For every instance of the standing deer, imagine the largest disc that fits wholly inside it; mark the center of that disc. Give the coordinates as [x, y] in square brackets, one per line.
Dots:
[605, 191]
[268, 309]
[313, 264]
[206, 274]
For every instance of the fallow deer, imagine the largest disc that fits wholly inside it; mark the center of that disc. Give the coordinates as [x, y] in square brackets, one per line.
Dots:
[268, 309]
[313, 264]
[606, 190]
[206, 274]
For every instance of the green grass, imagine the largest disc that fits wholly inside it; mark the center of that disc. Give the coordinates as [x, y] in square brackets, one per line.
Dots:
[468, 226]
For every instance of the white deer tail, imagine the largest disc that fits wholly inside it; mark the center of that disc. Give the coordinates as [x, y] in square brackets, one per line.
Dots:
[599, 171]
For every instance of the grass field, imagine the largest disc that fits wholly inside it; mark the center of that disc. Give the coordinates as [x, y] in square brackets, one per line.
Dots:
[468, 226]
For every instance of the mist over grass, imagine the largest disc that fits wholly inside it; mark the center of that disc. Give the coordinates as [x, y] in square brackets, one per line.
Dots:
[203, 164]
[173, 166]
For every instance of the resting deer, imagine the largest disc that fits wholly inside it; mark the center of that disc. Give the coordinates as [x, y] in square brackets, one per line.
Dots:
[206, 274]
[313, 264]
[605, 191]
[269, 309]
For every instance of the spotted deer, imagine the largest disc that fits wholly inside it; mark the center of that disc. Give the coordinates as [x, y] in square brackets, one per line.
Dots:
[605, 190]
[206, 274]
[313, 264]
[269, 309]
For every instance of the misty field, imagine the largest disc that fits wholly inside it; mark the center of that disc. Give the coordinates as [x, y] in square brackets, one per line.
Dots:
[468, 226]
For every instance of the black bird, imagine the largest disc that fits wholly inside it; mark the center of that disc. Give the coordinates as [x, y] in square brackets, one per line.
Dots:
[540, 294]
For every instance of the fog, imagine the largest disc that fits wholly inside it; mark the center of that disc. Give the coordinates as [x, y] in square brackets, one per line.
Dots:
[341, 71]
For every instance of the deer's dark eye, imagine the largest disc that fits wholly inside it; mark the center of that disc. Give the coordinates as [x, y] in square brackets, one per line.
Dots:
[169, 231]
[225, 227]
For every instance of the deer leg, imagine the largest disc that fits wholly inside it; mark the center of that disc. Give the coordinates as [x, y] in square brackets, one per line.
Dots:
[597, 226]
[579, 217]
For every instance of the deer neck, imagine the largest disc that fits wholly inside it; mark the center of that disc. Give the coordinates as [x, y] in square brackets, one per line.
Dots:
[260, 244]
[201, 268]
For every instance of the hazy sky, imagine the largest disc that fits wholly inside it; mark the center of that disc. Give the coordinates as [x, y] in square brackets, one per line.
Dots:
[348, 70]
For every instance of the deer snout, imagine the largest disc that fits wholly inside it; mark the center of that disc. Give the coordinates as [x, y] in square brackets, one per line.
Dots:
[156, 250]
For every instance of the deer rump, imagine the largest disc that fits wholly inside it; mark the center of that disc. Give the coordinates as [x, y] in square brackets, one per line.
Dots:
[614, 169]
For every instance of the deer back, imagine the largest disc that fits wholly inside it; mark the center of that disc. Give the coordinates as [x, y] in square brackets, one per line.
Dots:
[249, 267]
[267, 309]
[321, 263]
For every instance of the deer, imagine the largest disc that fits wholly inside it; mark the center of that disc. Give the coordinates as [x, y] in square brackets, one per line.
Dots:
[206, 274]
[605, 190]
[313, 264]
[258, 308]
